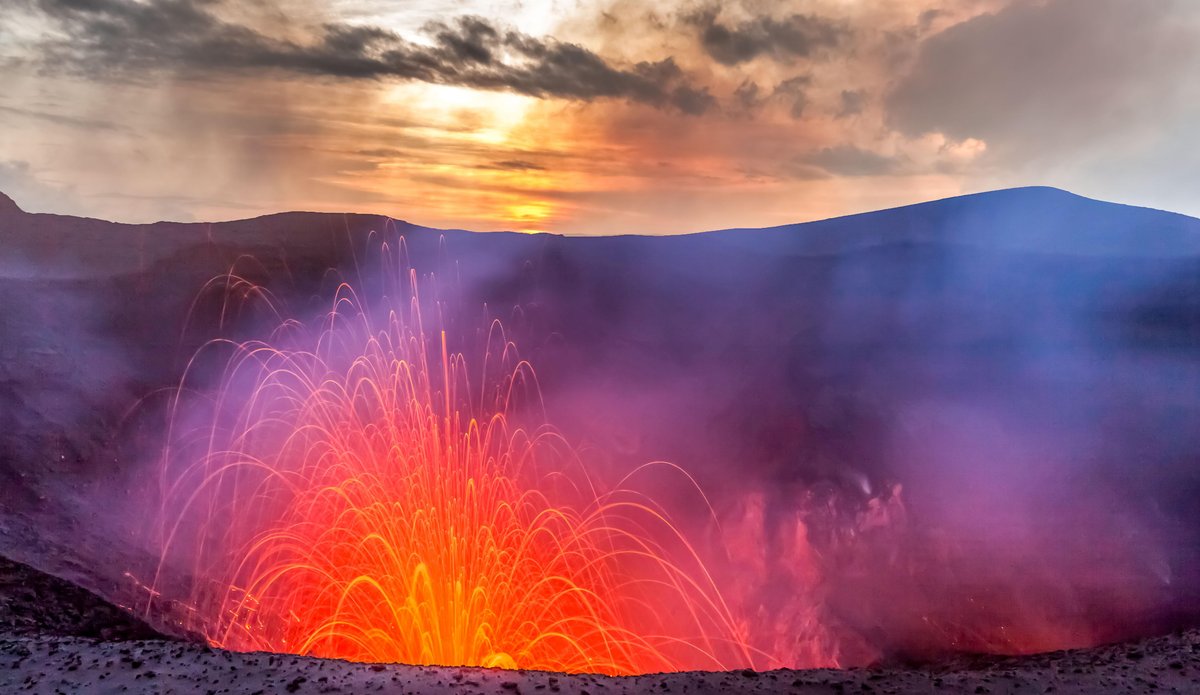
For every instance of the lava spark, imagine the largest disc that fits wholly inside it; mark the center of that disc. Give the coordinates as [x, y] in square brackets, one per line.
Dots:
[352, 489]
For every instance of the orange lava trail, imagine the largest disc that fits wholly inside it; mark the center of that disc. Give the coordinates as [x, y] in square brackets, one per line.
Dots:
[342, 497]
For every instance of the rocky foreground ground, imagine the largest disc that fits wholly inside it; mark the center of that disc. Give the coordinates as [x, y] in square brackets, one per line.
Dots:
[57, 638]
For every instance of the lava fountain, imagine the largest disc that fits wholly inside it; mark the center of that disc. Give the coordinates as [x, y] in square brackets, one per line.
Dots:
[352, 488]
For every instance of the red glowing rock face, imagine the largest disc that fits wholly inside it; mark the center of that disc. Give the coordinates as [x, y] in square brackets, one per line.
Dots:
[364, 493]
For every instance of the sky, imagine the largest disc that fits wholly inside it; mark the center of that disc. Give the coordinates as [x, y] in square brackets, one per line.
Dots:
[591, 116]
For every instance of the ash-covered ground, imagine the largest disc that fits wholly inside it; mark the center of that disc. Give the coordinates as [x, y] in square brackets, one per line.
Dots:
[58, 638]
[35, 604]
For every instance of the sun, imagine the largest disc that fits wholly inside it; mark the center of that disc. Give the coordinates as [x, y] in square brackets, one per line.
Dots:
[528, 215]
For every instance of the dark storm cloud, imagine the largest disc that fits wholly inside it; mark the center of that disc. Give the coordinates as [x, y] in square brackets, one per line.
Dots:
[122, 37]
[784, 40]
[1036, 77]
[692, 100]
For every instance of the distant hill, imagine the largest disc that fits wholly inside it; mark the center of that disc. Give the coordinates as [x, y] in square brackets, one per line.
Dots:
[1037, 219]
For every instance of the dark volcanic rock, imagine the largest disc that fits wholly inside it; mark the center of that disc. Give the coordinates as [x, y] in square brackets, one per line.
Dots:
[36, 604]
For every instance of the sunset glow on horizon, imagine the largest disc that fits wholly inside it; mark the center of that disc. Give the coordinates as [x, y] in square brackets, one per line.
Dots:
[596, 117]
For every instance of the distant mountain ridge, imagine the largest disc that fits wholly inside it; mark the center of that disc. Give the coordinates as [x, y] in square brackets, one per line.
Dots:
[1033, 219]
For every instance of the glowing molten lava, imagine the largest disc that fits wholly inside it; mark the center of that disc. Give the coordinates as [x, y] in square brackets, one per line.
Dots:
[353, 490]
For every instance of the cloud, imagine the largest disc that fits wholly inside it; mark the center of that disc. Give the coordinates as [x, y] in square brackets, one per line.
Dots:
[92, 124]
[849, 160]
[853, 103]
[20, 182]
[1042, 77]
[514, 165]
[746, 94]
[783, 40]
[117, 38]
[794, 91]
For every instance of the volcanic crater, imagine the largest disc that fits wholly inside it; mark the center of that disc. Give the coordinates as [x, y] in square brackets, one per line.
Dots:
[948, 447]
